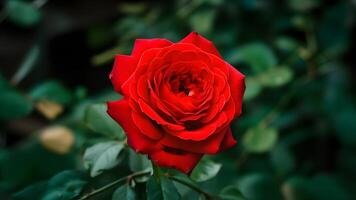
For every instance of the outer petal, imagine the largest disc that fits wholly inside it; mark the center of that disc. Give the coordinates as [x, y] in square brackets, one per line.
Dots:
[184, 162]
[211, 145]
[146, 126]
[142, 45]
[123, 67]
[237, 87]
[228, 141]
[120, 111]
[201, 42]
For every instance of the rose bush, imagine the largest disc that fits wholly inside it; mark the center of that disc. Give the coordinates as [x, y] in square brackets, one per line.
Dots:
[178, 100]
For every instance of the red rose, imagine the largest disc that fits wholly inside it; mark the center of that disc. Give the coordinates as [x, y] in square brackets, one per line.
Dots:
[179, 100]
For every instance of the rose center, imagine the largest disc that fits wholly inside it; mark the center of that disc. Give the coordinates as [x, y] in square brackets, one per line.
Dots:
[184, 83]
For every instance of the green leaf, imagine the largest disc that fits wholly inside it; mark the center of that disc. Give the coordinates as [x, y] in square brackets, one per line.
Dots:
[161, 188]
[52, 91]
[257, 55]
[185, 191]
[253, 88]
[202, 20]
[65, 185]
[205, 170]
[139, 162]
[276, 76]
[124, 192]
[102, 156]
[98, 120]
[13, 105]
[260, 139]
[259, 186]
[231, 192]
[22, 13]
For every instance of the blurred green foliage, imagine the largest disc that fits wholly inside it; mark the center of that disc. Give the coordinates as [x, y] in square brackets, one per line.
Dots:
[297, 133]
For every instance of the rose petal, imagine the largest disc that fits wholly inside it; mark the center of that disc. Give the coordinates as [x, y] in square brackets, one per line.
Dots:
[201, 42]
[228, 141]
[210, 145]
[203, 132]
[146, 126]
[237, 87]
[184, 162]
[120, 111]
[145, 108]
[123, 68]
[142, 45]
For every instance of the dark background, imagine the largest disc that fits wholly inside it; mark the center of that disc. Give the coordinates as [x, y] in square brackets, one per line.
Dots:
[297, 134]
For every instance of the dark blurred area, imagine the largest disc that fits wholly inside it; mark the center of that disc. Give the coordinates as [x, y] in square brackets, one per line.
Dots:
[297, 135]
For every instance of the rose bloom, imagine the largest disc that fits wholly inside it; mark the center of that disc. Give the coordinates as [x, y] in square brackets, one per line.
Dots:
[178, 100]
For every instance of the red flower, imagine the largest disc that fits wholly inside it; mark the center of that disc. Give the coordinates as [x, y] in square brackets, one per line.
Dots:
[179, 100]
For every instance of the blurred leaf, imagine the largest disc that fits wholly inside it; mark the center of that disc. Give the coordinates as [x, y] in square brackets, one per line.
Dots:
[334, 30]
[124, 192]
[29, 163]
[27, 64]
[276, 76]
[58, 139]
[260, 139]
[296, 188]
[132, 8]
[327, 187]
[202, 20]
[161, 188]
[320, 187]
[253, 88]
[98, 120]
[282, 160]
[303, 5]
[51, 91]
[13, 105]
[257, 55]
[64, 186]
[259, 186]
[340, 106]
[286, 44]
[231, 193]
[22, 13]
[34, 191]
[99, 36]
[205, 170]
[102, 156]
[50, 110]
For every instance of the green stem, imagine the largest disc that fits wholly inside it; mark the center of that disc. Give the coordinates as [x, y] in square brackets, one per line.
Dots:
[193, 187]
[108, 186]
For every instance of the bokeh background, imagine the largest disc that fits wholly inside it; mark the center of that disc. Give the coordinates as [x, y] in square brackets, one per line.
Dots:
[297, 134]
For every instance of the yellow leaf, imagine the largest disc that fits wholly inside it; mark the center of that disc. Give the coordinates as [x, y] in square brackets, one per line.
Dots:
[49, 109]
[58, 139]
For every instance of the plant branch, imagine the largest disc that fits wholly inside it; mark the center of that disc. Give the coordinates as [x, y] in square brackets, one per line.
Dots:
[108, 186]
